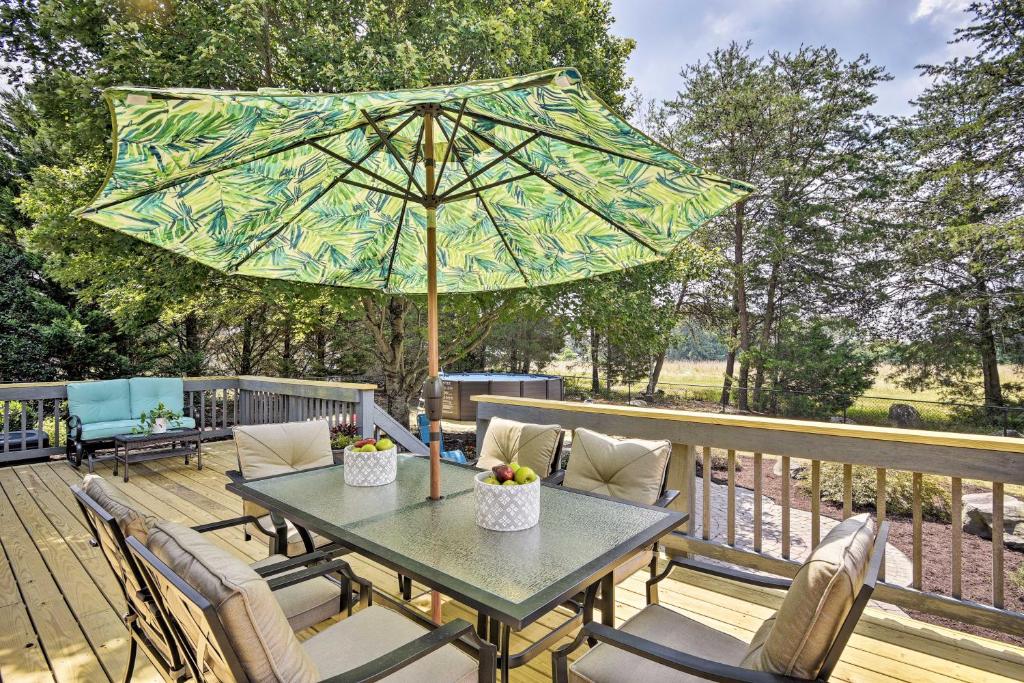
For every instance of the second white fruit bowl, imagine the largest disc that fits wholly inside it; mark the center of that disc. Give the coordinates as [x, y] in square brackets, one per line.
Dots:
[375, 468]
[506, 508]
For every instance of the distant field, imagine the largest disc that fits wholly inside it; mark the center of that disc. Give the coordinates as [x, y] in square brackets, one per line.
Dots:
[710, 372]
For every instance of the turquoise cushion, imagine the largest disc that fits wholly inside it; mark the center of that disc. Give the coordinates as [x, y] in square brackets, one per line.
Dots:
[104, 401]
[148, 392]
[108, 430]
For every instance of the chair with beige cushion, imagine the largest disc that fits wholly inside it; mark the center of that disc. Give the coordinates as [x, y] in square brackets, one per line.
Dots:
[308, 598]
[634, 470]
[272, 449]
[231, 628]
[530, 445]
[802, 641]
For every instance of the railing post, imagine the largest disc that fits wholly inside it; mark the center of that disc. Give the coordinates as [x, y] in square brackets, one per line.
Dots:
[364, 413]
[682, 468]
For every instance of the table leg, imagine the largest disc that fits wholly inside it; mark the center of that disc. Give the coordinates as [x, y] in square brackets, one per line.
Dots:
[187, 451]
[125, 462]
[481, 625]
[506, 648]
[608, 601]
[115, 458]
[199, 453]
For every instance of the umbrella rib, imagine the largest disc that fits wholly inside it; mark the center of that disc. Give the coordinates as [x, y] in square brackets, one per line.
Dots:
[203, 174]
[401, 217]
[562, 138]
[366, 155]
[568, 193]
[470, 177]
[469, 193]
[355, 165]
[394, 152]
[451, 142]
[487, 209]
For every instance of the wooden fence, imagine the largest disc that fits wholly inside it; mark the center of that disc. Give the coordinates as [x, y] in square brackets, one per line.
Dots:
[216, 403]
[998, 460]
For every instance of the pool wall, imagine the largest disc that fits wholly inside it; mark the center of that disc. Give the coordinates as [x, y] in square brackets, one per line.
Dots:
[458, 390]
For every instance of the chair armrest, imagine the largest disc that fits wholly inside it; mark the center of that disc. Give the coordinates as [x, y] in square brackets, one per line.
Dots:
[556, 477]
[224, 524]
[674, 659]
[407, 654]
[322, 569]
[729, 573]
[74, 427]
[666, 498]
[291, 563]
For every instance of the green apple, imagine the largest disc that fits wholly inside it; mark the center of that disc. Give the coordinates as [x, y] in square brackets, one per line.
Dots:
[492, 481]
[368, 448]
[514, 466]
[525, 475]
[385, 445]
[510, 482]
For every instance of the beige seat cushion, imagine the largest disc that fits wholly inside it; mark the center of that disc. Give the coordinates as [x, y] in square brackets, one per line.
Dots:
[266, 450]
[375, 631]
[529, 445]
[606, 664]
[796, 640]
[126, 513]
[253, 620]
[629, 469]
[308, 603]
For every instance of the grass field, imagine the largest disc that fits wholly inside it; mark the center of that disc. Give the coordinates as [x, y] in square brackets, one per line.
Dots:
[710, 372]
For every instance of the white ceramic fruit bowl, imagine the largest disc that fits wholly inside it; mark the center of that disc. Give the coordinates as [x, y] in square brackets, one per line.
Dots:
[506, 508]
[370, 469]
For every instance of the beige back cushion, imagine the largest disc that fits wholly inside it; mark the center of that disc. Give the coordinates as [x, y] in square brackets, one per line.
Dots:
[529, 445]
[629, 469]
[133, 522]
[797, 638]
[266, 450]
[255, 625]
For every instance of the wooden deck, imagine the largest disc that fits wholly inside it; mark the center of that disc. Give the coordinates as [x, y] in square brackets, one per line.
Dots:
[59, 604]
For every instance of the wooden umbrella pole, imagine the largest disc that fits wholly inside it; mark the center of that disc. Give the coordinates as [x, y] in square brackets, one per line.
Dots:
[433, 360]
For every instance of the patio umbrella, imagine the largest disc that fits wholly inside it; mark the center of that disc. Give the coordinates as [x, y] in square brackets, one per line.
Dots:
[505, 183]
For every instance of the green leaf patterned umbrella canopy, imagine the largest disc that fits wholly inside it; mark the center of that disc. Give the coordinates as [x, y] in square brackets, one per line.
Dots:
[536, 182]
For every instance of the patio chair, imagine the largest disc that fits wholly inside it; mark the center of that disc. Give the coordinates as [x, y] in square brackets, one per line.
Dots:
[423, 424]
[802, 641]
[112, 518]
[271, 449]
[633, 470]
[231, 629]
[538, 447]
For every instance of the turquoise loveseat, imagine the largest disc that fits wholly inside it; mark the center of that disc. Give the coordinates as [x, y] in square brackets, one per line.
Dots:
[98, 411]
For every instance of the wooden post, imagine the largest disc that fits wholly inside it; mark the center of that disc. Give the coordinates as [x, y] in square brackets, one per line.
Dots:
[681, 472]
[364, 413]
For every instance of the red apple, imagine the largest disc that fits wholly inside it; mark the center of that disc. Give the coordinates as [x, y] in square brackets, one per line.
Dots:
[503, 473]
[365, 442]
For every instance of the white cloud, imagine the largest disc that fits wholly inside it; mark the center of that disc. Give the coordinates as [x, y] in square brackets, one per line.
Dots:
[936, 9]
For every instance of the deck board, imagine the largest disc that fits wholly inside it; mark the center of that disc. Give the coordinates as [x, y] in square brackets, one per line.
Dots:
[60, 605]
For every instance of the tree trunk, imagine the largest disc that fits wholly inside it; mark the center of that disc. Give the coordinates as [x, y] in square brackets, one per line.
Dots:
[987, 347]
[659, 363]
[595, 360]
[287, 363]
[741, 307]
[245, 361]
[767, 326]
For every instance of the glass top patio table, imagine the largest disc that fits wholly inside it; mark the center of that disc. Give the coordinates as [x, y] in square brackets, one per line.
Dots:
[514, 577]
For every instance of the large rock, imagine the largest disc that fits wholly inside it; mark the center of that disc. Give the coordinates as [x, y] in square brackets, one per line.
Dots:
[839, 419]
[978, 518]
[903, 415]
[638, 403]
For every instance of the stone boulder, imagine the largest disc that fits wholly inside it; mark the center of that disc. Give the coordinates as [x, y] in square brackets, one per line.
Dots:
[638, 403]
[903, 415]
[978, 518]
[840, 420]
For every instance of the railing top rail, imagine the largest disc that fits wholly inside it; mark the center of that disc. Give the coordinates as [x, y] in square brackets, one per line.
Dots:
[361, 386]
[915, 436]
[13, 386]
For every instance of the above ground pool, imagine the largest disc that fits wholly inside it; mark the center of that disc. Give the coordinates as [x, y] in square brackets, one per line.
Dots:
[459, 386]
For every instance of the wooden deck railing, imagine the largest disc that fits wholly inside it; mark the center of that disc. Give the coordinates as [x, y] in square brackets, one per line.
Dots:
[216, 404]
[998, 460]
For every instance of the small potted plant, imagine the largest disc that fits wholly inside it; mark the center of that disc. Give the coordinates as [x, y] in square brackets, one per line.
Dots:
[507, 498]
[371, 462]
[158, 420]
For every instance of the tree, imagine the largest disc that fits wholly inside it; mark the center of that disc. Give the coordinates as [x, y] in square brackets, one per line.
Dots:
[798, 126]
[962, 245]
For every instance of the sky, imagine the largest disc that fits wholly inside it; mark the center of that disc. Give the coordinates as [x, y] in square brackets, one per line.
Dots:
[897, 34]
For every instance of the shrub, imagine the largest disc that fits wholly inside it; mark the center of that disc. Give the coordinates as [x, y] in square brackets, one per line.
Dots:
[344, 435]
[899, 491]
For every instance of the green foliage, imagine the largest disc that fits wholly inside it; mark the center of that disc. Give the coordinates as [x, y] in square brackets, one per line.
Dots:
[149, 419]
[899, 491]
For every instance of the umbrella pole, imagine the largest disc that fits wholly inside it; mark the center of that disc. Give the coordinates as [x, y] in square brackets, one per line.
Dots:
[433, 359]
